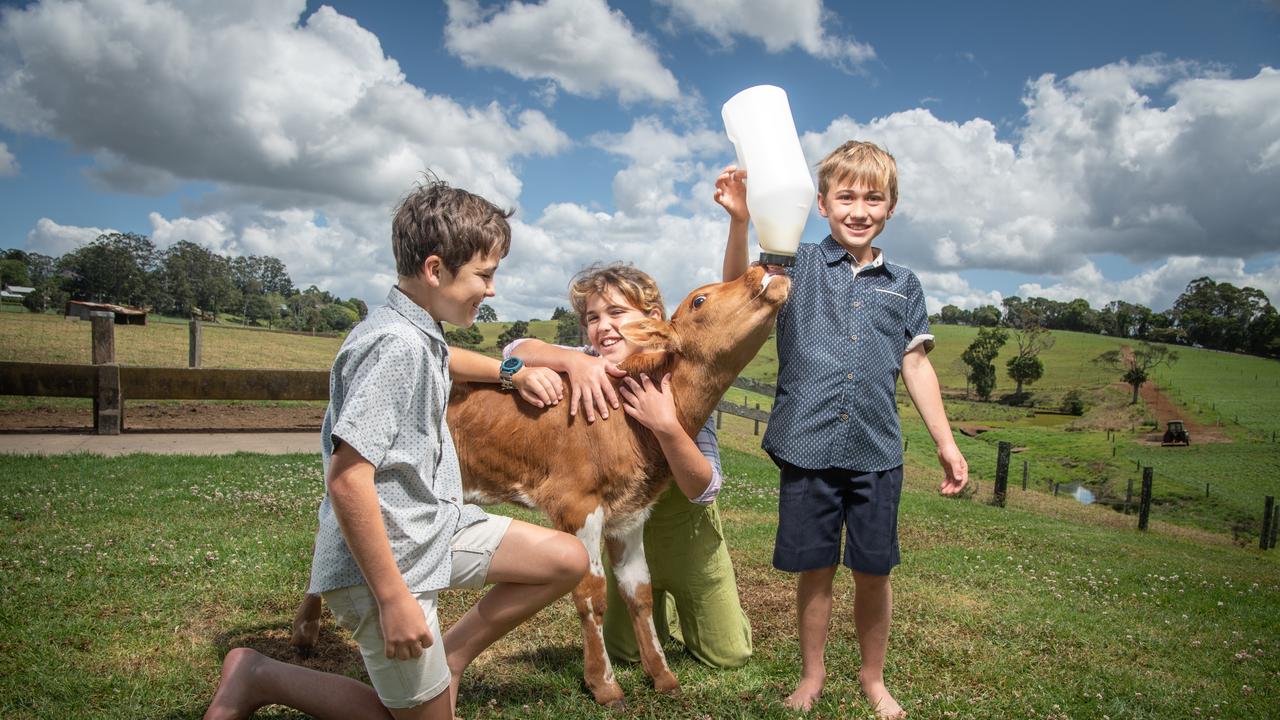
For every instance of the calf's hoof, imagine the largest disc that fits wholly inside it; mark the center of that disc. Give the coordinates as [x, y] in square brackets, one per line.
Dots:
[667, 683]
[305, 635]
[610, 695]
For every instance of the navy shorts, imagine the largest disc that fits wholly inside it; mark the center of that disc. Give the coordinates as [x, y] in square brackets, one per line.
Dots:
[813, 506]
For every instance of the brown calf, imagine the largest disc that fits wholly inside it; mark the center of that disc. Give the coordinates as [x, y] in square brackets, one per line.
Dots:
[601, 479]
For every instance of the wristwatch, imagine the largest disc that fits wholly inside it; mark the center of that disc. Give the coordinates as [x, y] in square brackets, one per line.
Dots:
[509, 368]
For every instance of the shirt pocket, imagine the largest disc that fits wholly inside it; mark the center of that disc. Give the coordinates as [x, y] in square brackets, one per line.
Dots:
[888, 312]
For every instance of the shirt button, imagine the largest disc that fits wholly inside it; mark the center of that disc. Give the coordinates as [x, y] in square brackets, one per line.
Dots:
[848, 376]
[453, 499]
[844, 417]
[857, 303]
[853, 338]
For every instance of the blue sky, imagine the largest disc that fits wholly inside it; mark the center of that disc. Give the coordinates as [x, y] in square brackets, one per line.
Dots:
[1097, 150]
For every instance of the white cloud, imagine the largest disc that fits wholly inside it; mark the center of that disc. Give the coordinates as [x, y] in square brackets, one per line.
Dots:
[659, 159]
[50, 238]
[1099, 168]
[1157, 287]
[779, 24]
[8, 163]
[582, 46]
[952, 289]
[250, 95]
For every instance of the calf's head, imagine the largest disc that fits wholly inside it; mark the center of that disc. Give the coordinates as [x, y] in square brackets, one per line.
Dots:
[716, 328]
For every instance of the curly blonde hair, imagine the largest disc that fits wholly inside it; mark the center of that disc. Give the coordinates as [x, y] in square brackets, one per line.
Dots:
[635, 286]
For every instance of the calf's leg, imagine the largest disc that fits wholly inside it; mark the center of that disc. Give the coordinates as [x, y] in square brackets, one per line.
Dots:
[626, 552]
[589, 599]
[306, 624]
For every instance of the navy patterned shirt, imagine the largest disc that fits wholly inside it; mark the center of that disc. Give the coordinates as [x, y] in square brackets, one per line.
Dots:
[841, 338]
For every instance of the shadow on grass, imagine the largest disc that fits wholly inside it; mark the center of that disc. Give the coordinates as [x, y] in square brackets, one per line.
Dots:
[334, 652]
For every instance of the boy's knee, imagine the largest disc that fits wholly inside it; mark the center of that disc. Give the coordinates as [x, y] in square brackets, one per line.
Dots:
[570, 559]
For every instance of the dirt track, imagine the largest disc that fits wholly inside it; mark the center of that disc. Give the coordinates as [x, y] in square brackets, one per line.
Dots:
[187, 416]
[1163, 410]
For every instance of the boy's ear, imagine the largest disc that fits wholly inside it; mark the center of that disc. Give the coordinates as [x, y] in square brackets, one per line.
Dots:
[652, 334]
[431, 269]
[822, 206]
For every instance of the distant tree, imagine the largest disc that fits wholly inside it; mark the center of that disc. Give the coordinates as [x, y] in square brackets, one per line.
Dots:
[985, 316]
[1125, 320]
[487, 314]
[274, 307]
[14, 272]
[951, 315]
[1073, 402]
[338, 317]
[979, 357]
[559, 312]
[1026, 367]
[115, 267]
[192, 276]
[1136, 365]
[1218, 315]
[515, 331]
[568, 329]
[469, 338]
[358, 306]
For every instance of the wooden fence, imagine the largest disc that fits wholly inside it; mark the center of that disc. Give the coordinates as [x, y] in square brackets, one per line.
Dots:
[109, 383]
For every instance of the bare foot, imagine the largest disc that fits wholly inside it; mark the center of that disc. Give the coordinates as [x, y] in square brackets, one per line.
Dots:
[886, 707]
[806, 694]
[234, 698]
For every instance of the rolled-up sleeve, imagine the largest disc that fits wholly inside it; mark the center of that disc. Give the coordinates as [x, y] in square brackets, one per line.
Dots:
[917, 322]
[710, 448]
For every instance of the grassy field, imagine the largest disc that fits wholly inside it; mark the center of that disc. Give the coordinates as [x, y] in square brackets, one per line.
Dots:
[128, 579]
[1242, 391]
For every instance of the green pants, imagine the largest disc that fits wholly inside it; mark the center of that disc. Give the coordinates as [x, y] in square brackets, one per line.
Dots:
[695, 593]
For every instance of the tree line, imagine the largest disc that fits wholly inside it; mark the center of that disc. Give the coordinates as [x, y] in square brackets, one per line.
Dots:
[184, 280]
[1207, 314]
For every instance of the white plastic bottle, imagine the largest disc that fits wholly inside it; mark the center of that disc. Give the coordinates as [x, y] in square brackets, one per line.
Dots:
[780, 190]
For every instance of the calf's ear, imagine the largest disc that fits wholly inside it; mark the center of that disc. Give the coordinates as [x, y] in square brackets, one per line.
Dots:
[652, 334]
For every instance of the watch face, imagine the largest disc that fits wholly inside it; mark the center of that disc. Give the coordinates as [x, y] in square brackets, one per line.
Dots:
[512, 364]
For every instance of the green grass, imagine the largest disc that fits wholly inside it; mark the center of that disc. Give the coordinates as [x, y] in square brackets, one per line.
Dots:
[128, 579]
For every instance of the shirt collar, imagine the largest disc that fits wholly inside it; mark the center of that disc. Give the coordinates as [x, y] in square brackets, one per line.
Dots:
[833, 252]
[415, 314]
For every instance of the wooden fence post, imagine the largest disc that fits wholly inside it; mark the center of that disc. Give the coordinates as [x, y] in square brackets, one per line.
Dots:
[1002, 471]
[756, 429]
[1206, 489]
[1268, 506]
[108, 413]
[1024, 475]
[1144, 506]
[1128, 497]
[1275, 525]
[103, 350]
[195, 345]
[719, 418]
[1055, 489]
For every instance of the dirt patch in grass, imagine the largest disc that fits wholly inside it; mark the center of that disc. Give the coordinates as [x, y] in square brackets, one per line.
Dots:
[1163, 410]
[179, 416]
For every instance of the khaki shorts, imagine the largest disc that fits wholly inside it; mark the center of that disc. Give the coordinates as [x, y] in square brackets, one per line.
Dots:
[406, 683]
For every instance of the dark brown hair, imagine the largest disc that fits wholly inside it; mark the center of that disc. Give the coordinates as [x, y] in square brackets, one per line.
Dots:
[436, 219]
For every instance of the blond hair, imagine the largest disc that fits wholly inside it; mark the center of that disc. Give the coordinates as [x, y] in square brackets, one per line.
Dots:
[635, 286]
[860, 162]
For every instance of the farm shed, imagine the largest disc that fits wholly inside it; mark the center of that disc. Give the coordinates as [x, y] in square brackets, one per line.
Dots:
[124, 315]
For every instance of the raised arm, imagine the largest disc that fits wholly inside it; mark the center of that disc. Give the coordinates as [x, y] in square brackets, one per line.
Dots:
[731, 193]
[922, 384]
[589, 384]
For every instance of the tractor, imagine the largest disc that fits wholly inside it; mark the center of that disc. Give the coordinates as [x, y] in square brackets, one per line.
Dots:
[1175, 434]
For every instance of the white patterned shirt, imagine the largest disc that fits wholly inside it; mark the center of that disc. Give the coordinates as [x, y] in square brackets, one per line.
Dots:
[388, 390]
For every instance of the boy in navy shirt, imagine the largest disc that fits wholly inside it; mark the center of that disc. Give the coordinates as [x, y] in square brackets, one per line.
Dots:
[853, 323]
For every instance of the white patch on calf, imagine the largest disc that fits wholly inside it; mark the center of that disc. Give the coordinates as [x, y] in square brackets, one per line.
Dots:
[589, 534]
[631, 570]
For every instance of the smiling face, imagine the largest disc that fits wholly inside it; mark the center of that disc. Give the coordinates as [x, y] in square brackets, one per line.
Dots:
[605, 315]
[857, 214]
[458, 295]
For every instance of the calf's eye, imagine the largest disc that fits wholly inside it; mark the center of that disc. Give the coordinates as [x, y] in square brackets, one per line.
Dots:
[697, 302]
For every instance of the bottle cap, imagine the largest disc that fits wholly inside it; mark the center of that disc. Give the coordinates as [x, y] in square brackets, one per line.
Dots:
[768, 258]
